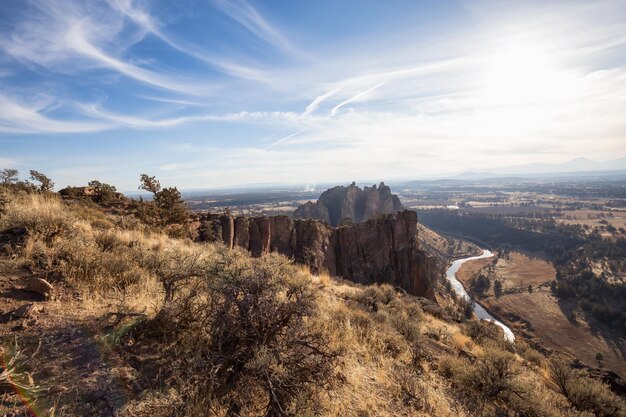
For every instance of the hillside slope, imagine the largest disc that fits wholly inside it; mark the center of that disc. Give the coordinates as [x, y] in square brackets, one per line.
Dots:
[141, 324]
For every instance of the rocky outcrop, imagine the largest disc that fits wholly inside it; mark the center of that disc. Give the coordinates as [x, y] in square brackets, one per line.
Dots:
[340, 204]
[379, 250]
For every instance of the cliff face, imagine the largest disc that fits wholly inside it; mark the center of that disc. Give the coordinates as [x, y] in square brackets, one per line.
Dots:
[339, 203]
[376, 251]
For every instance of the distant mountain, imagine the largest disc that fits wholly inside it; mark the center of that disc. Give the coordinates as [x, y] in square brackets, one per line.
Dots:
[575, 165]
[474, 175]
[578, 165]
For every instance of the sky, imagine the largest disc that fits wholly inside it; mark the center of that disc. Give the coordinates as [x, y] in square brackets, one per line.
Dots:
[219, 93]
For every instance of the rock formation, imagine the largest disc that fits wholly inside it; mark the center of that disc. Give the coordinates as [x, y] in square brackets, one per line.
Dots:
[379, 250]
[340, 203]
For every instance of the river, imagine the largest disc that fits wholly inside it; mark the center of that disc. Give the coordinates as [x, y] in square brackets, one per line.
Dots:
[480, 312]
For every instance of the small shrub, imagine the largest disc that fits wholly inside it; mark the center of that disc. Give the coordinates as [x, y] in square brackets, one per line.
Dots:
[408, 328]
[491, 376]
[583, 392]
[413, 390]
[375, 295]
[175, 266]
[451, 365]
[481, 331]
[98, 264]
[530, 354]
[497, 288]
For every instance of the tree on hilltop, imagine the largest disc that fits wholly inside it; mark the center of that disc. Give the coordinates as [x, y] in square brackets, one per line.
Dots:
[45, 183]
[8, 176]
[168, 201]
[150, 184]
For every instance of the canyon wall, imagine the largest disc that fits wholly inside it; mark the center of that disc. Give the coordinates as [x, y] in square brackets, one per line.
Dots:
[379, 250]
[338, 204]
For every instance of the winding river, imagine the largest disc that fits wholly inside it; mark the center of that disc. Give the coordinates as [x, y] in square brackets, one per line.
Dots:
[480, 312]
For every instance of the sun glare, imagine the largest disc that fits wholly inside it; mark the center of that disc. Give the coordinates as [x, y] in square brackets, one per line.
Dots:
[522, 74]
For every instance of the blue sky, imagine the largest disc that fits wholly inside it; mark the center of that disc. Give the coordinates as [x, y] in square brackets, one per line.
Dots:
[212, 93]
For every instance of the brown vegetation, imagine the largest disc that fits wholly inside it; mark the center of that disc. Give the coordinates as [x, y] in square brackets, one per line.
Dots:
[183, 328]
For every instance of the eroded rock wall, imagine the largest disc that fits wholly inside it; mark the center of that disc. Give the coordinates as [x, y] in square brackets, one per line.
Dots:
[384, 249]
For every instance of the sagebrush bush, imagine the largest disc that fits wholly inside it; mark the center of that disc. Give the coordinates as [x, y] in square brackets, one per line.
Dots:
[176, 266]
[98, 265]
[492, 383]
[584, 393]
[482, 331]
[530, 354]
[492, 375]
[243, 340]
[374, 295]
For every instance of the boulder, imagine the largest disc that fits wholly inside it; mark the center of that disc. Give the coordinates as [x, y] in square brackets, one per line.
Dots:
[40, 286]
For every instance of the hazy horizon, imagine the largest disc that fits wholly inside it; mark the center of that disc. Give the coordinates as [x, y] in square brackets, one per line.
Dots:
[225, 93]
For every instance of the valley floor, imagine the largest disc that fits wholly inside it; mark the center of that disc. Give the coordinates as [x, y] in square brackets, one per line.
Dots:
[538, 315]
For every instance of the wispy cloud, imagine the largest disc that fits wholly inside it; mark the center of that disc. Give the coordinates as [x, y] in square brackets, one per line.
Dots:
[286, 138]
[274, 118]
[169, 167]
[66, 36]
[173, 100]
[150, 25]
[7, 163]
[317, 101]
[248, 17]
[356, 97]
[16, 117]
[77, 40]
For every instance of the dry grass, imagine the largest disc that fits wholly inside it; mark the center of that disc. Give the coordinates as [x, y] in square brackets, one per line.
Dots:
[42, 214]
[394, 360]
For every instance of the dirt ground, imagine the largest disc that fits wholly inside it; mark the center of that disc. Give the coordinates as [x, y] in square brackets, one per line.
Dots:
[538, 315]
[521, 270]
[471, 269]
[547, 321]
[63, 360]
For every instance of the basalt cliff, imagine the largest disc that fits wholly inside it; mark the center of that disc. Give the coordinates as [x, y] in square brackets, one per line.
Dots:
[339, 204]
[380, 250]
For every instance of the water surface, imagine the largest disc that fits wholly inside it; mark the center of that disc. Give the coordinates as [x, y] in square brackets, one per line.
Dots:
[480, 312]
